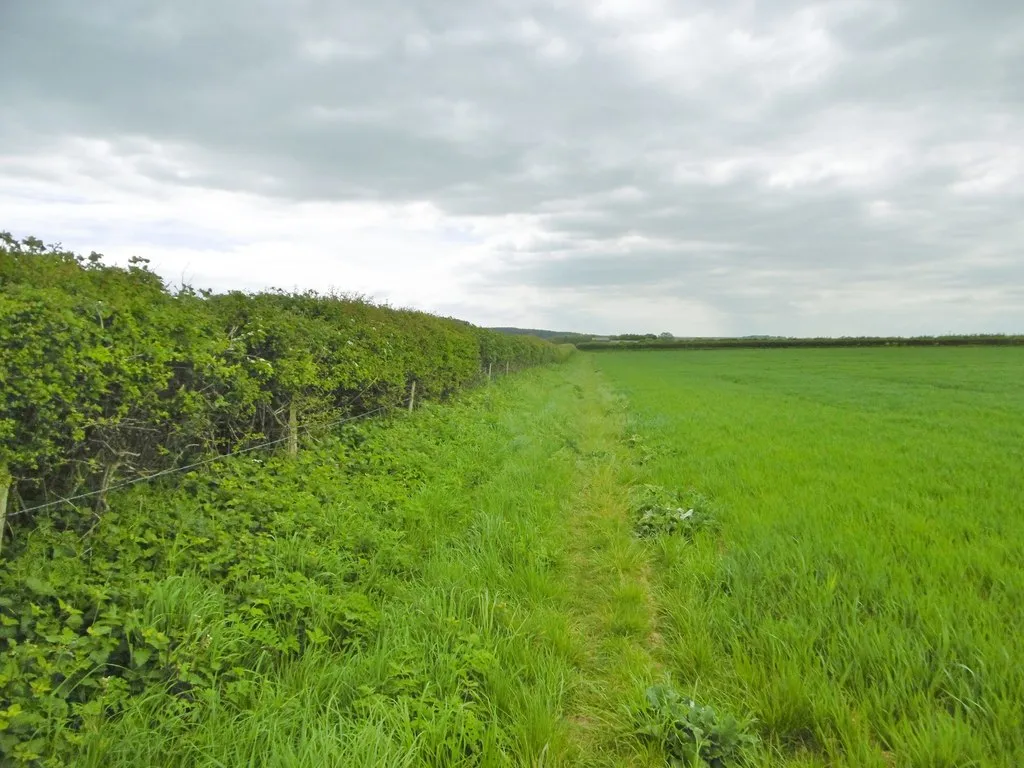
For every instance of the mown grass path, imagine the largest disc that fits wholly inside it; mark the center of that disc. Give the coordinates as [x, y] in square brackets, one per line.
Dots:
[610, 596]
[458, 586]
[455, 587]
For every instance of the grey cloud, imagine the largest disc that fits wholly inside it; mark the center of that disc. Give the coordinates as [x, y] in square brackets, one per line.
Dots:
[829, 156]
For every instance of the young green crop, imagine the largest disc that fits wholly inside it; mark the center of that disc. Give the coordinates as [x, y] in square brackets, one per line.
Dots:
[862, 598]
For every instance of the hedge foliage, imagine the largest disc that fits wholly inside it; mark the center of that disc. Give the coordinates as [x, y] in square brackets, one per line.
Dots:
[198, 595]
[107, 375]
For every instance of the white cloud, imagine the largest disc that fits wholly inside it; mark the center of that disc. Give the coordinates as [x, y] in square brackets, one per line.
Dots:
[739, 167]
[324, 50]
[404, 253]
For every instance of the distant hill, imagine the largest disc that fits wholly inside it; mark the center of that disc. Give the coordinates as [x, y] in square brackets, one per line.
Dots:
[557, 336]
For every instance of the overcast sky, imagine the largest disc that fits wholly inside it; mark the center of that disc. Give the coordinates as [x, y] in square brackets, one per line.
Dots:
[706, 168]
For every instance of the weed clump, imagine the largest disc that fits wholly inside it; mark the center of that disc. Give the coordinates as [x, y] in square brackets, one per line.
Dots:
[659, 512]
[692, 734]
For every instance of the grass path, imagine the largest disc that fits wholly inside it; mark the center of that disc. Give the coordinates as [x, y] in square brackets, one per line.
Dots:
[494, 606]
[610, 596]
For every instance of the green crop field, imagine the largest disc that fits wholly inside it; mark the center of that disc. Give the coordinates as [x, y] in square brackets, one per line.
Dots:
[699, 559]
[863, 597]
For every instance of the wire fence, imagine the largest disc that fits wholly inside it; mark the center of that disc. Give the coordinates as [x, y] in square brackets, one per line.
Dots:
[487, 374]
[194, 465]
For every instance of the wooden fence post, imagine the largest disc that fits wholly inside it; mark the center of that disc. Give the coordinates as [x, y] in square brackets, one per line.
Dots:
[5, 486]
[412, 396]
[506, 367]
[293, 429]
[108, 478]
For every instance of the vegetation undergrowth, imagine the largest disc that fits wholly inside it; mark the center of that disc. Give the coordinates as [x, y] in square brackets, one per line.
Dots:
[402, 592]
[692, 735]
[658, 511]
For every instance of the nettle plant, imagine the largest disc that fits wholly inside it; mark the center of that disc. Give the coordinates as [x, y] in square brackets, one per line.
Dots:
[660, 512]
[692, 735]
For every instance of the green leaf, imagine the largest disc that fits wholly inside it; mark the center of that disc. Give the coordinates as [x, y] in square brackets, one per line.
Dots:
[39, 587]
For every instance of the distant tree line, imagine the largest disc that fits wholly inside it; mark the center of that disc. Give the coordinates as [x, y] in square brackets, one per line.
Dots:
[622, 343]
[567, 337]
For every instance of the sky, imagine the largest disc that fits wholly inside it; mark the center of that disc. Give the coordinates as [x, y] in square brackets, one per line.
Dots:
[732, 167]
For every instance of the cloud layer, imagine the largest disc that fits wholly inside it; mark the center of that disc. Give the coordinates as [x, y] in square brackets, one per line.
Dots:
[842, 167]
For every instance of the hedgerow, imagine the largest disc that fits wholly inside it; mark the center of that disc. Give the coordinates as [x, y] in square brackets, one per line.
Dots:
[108, 375]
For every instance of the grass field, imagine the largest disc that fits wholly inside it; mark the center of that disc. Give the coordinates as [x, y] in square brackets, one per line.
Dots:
[863, 598]
[465, 586]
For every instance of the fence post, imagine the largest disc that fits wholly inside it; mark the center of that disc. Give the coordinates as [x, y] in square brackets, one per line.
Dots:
[293, 429]
[5, 486]
[108, 477]
[489, 367]
[412, 396]
[506, 367]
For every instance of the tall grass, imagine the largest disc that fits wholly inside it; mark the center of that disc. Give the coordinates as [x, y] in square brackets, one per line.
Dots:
[454, 587]
[467, 664]
[863, 598]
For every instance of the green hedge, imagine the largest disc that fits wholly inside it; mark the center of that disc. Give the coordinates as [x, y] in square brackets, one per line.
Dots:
[107, 375]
